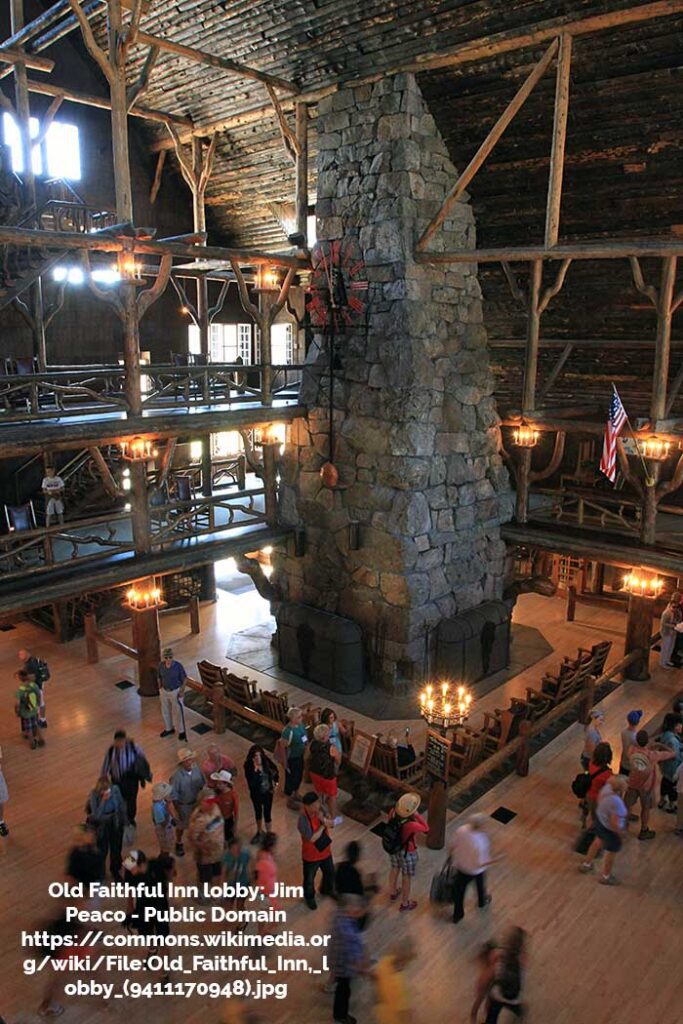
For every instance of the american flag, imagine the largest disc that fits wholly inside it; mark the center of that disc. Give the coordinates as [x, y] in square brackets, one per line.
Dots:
[615, 424]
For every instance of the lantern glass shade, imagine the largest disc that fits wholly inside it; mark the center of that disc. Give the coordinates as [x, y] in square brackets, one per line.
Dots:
[128, 267]
[267, 280]
[641, 585]
[525, 436]
[656, 449]
[141, 598]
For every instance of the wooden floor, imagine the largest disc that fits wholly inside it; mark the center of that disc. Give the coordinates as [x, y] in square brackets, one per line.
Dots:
[597, 955]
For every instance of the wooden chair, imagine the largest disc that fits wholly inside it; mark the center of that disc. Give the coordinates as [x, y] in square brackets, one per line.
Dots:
[211, 675]
[385, 760]
[533, 709]
[467, 750]
[241, 690]
[274, 705]
[500, 727]
[20, 518]
[598, 654]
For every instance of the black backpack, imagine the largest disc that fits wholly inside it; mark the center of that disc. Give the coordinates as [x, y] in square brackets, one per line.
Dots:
[391, 837]
[42, 673]
[583, 781]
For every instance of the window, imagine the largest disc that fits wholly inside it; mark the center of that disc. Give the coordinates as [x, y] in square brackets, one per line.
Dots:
[58, 155]
[244, 343]
[282, 340]
[310, 230]
[226, 444]
[194, 346]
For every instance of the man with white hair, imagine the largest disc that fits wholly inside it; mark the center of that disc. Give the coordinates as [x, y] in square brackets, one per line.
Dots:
[470, 855]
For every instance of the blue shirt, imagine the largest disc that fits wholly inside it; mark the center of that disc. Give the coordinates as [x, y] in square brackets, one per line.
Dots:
[672, 740]
[609, 804]
[172, 676]
[346, 947]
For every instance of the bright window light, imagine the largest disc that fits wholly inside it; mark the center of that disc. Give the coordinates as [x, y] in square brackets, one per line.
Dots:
[60, 147]
[63, 151]
[195, 450]
[60, 273]
[75, 275]
[311, 230]
[106, 276]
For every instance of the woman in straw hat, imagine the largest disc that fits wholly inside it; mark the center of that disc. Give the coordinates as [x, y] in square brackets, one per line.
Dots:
[187, 782]
[403, 853]
[162, 816]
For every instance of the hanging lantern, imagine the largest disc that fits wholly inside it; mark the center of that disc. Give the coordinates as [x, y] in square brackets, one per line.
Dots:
[138, 449]
[656, 449]
[525, 436]
[445, 706]
[267, 279]
[129, 269]
[641, 585]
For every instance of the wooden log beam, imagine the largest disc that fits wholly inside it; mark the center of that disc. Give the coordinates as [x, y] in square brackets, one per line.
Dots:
[103, 243]
[544, 423]
[301, 186]
[552, 215]
[117, 645]
[36, 26]
[26, 595]
[27, 438]
[214, 61]
[27, 60]
[88, 100]
[660, 376]
[585, 343]
[487, 146]
[593, 545]
[609, 249]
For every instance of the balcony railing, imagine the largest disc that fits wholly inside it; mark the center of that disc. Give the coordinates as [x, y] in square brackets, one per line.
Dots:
[83, 391]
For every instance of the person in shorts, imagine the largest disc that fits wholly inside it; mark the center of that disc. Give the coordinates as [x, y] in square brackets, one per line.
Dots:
[611, 815]
[644, 757]
[27, 707]
[323, 765]
[53, 491]
[404, 863]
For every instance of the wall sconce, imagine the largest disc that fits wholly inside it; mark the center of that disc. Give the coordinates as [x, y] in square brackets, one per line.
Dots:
[354, 536]
[525, 436]
[272, 433]
[643, 586]
[138, 449]
[141, 600]
[656, 449]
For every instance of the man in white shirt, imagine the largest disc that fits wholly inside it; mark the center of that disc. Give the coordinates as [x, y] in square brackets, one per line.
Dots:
[53, 489]
[470, 855]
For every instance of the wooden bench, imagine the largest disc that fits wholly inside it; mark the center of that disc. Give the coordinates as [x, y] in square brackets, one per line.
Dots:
[385, 763]
[241, 690]
[467, 751]
[274, 705]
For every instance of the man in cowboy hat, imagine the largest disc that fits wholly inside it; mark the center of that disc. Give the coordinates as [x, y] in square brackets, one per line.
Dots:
[172, 678]
[470, 855]
[403, 855]
[227, 800]
[187, 782]
[162, 816]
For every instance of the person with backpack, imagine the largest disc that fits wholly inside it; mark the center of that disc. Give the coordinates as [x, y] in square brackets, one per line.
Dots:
[39, 672]
[470, 855]
[507, 969]
[611, 816]
[599, 772]
[399, 840]
[128, 768]
[591, 735]
[643, 760]
[628, 738]
[27, 707]
[672, 728]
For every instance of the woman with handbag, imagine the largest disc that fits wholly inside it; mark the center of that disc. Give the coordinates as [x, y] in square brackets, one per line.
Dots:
[106, 811]
[262, 778]
[316, 849]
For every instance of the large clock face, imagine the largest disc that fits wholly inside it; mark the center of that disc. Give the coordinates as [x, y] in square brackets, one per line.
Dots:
[338, 289]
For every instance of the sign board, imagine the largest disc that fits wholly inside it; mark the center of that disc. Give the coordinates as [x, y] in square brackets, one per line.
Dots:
[437, 752]
[362, 748]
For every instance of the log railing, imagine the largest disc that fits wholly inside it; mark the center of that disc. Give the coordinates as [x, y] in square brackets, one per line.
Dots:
[76, 391]
[34, 552]
[200, 516]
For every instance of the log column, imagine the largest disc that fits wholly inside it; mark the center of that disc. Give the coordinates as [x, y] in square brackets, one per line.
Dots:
[533, 331]
[638, 633]
[271, 452]
[146, 641]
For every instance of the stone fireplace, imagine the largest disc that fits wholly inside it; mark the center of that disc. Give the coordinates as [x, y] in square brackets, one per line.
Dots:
[416, 423]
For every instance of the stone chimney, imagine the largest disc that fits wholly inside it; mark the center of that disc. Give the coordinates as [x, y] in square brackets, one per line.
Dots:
[416, 423]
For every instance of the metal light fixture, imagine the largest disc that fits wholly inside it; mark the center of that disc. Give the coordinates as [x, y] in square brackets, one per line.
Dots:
[129, 269]
[272, 433]
[655, 448]
[641, 585]
[444, 706]
[525, 436]
[138, 449]
[267, 280]
[141, 600]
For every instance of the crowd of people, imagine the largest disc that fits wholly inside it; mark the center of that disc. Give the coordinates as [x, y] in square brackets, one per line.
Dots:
[198, 811]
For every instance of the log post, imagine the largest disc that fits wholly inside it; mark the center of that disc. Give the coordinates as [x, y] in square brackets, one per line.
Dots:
[194, 615]
[90, 625]
[638, 634]
[301, 187]
[663, 342]
[588, 700]
[270, 456]
[648, 523]
[147, 643]
[436, 815]
[533, 330]
[571, 603]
